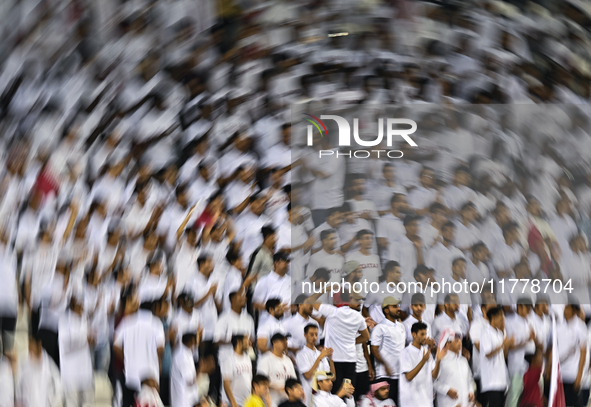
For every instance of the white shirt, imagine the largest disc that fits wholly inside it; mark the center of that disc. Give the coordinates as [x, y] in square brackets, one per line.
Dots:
[341, 328]
[520, 328]
[184, 323]
[405, 253]
[8, 288]
[454, 373]
[305, 359]
[390, 338]
[419, 391]
[140, 335]
[572, 335]
[238, 369]
[209, 313]
[38, 383]
[75, 356]
[493, 370]
[183, 378]
[185, 265]
[273, 286]
[269, 327]
[278, 370]
[6, 384]
[476, 327]
[325, 399]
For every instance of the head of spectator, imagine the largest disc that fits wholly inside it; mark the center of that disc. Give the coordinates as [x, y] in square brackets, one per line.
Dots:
[237, 301]
[427, 178]
[522, 270]
[379, 390]
[260, 386]
[320, 276]
[451, 305]
[419, 334]
[311, 335]
[542, 302]
[205, 264]
[329, 240]
[294, 390]
[452, 341]
[334, 217]
[458, 268]
[189, 340]
[279, 344]
[258, 203]
[182, 195]
[496, 318]
[572, 309]
[365, 239]
[468, 213]
[323, 381]
[424, 275]
[511, 233]
[437, 212]
[533, 207]
[275, 307]
[281, 263]
[391, 308]
[305, 310]
[480, 253]
[357, 186]
[352, 272]
[448, 232]
[417, 305]
[186, 301]
[411, 224]
[524, 306]
[269, 237]
[501, 214]
[399, 205]
[462, 176]
[240, 343]
[392, 273]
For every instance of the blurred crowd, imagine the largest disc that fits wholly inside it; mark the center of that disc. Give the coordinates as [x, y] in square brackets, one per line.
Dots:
[157, 222]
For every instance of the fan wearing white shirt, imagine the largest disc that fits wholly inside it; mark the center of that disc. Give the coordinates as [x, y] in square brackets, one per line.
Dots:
[348, 228]
[75, 357]
[271, 325]
[388, 340]
[139, 341]
[519, 326]
[421, 197]
[309, 360]
[572, 350]
[334, 218]
[276, 284]
[38, 381]
[494, 346]
[278, 368]
[454, 385]
[186, 319]
[507, 253]
[369, 262]
[237, 372]
[207, 294]
[183, 375]
[234, 321]
[344, 327]
[417, 370]
[409, 251]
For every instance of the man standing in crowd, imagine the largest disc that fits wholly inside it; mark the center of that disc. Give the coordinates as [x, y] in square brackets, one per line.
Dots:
[388, 340]
[278, 367]
[309, 360]
[344, 327]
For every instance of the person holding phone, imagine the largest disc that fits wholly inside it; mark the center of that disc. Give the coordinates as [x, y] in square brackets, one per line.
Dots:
[323, 397]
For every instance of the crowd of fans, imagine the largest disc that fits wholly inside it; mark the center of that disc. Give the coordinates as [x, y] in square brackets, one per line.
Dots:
[158, 226]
